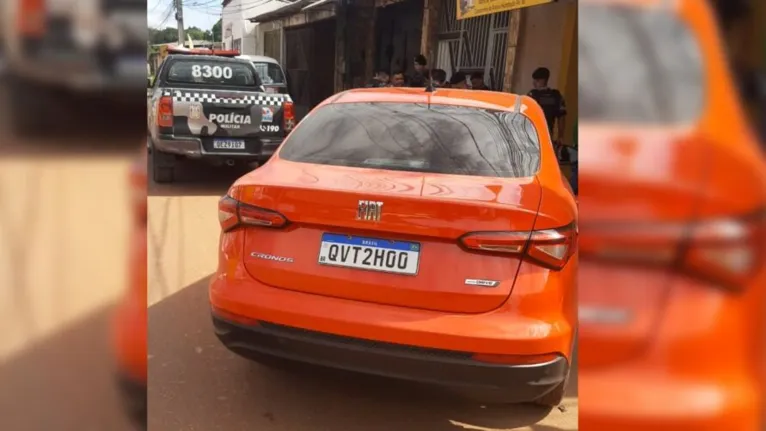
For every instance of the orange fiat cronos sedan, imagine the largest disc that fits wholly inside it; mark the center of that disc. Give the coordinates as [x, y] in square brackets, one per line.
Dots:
[422, 235]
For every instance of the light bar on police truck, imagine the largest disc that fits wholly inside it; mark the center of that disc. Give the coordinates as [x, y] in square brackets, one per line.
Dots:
[203, 51]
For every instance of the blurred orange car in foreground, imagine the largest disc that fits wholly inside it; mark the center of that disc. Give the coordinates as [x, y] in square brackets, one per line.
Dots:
[425, 236]
[673, 196]
[130, 320]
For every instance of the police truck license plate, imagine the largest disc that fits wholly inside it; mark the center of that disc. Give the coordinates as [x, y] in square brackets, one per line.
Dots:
[399, 257]
[229, 144]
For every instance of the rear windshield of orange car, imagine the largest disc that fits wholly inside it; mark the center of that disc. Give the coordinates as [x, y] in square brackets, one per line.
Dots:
[417, 137]
[638, 65]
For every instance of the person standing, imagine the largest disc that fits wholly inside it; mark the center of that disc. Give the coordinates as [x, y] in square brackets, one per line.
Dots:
[381, 79]
[477, 81]
[553, 105]
[399, 79]
[421, 74]
[459, 80]
[440, 78]
[573, 180]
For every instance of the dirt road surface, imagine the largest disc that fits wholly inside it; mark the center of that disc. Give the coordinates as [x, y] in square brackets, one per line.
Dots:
[196, 384]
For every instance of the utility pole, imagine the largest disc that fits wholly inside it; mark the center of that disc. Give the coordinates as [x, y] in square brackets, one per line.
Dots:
[180, 19]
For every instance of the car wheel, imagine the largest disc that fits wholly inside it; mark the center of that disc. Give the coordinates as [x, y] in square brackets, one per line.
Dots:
[163, 167]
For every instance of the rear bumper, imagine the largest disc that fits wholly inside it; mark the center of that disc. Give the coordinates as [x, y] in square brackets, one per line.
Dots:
[452, 369]
[192, 147]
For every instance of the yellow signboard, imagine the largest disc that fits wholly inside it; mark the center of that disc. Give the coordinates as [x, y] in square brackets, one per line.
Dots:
[473, 8]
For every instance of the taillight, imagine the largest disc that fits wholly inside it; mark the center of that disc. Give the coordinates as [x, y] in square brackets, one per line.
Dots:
[288, 113]
[30, 19]
[165, 112]
[550, 248]
[726, 252]
[233, 214]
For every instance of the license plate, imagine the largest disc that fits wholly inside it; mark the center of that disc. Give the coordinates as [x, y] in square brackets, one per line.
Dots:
[399, 257]
[229, 144]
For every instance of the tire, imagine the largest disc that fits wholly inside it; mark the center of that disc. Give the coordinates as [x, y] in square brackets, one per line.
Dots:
[134, 400]
[163, 174]
[163, 167]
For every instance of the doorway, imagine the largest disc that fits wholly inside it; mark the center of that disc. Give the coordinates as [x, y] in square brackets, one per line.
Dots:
[398, 34]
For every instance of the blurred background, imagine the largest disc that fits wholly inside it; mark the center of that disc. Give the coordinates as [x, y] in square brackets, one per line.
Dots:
[72, 115]
[672, 215]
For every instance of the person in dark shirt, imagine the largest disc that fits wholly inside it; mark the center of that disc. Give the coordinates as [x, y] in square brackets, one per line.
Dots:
[440, 78]
[458, 80]
[573, 181]
[421, 74]
[399, 79]
[381, 79]
[477, 81]
[552, 103]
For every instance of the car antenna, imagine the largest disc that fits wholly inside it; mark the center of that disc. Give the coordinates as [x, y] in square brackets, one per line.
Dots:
[430, 87]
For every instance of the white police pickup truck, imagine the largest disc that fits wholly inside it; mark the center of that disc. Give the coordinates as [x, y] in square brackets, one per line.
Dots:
[214, 108]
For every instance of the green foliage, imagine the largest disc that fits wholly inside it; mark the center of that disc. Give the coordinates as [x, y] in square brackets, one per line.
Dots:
[218, 31]
[170, 34]
[166, 35]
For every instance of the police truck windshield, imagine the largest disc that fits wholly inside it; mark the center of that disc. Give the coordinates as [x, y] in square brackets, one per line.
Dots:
[204, 72]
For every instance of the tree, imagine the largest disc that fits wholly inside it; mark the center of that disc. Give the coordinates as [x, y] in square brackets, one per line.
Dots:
[195, 33]
[217, 31]
[170, 34]
[166, 35]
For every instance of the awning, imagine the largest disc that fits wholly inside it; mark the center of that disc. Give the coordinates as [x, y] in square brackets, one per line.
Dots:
[283, 12]
[474, 8]
[316, 4]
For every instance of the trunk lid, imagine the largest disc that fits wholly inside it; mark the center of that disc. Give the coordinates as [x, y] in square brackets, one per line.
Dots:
[422, 215]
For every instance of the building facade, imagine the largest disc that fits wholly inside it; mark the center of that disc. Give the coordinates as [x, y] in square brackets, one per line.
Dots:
[248, 37]
[332, 45]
